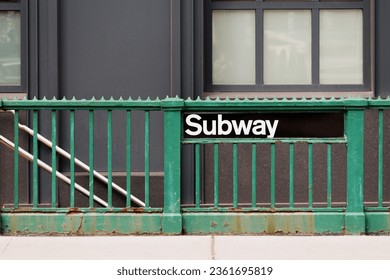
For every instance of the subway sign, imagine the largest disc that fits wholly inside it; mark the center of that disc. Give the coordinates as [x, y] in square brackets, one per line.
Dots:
[263, 125]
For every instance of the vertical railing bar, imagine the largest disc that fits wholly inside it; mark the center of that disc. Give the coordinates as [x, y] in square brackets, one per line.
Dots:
[16, 159]
[54, 158]
[197, 175]
[147, 159]
[91, 149]
[273, 175]
[128, 158]
[380, 158]
[254, 175]
[291, 198]
[310, 174]
[109, 158]
[72, 161]
[235, 175]
[216, 175]
[35, 160]
[329, 176]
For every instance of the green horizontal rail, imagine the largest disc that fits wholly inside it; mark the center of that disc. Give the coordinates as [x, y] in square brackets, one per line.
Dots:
[81, 104]
[274, 104]
[208, 104]
[262, 209]
[378, 102]
[264, 140]
[81, 210]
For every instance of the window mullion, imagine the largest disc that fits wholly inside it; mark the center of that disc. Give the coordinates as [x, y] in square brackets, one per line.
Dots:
[259, 47]
[315, 43]
[208, 57]
[10, 6]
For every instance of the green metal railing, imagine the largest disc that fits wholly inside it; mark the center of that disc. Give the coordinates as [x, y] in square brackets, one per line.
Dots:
[55, 107]
[97, 201]
[381, 106]
[254, 204]
[260, 212]
[261, 144]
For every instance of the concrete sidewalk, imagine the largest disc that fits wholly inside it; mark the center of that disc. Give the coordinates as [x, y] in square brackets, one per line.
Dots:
[196, 248]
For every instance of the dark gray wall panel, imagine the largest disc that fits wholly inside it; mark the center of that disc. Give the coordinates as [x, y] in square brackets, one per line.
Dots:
[118, 48]
[114, 48]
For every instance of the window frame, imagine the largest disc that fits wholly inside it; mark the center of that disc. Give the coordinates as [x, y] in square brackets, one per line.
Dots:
[315, 6]
[22, 7]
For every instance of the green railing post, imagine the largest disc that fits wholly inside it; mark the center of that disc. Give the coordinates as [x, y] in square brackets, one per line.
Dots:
[172, 219]
[355, 217]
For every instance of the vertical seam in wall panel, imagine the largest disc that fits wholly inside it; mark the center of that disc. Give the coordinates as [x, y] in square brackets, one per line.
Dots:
[372, 44]
[33, 92]
[170, 47]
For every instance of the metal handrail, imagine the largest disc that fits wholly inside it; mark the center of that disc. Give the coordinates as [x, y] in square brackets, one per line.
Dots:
[9, 144]
[78, 162]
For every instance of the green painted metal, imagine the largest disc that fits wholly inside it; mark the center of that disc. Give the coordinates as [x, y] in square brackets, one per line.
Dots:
[67, 210]
[254, 175]
[76, 223]
[147, 159]
[172, 219]
[82, 104]
[109, 158]
[274, 104]
[197, 175]
[380, 158]
[266, 140]
[72, 156]
[128, 158]
[355, 218]
[54, 158]
[235, 175]
[263, 223]
[291, 199]
[273, 175]
[264, 209]
[310, 174]
[378, 222]
[35, 162]
[216, 175]
[16, 159]
[329, 176]
[91, 148]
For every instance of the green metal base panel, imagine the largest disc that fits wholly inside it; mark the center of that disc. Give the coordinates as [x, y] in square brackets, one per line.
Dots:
[80, 224]
[193, 223]
[266, 223]
[378, 223]
[355, 223]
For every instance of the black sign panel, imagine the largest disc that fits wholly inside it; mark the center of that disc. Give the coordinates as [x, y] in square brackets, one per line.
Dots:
[263, 125]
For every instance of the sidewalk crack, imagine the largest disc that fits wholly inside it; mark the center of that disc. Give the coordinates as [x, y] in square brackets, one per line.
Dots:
[213, 247]
[6, 246]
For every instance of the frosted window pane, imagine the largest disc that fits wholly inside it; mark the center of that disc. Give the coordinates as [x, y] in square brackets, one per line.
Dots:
[287, 47]
[341, 47]
[233, 43]
[9, 48]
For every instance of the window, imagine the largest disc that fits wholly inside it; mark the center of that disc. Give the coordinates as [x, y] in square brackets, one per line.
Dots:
[12, 46]
[281, 45]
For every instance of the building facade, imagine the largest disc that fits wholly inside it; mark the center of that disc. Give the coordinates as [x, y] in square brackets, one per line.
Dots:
[209, 49]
